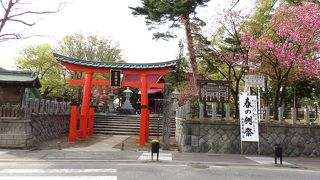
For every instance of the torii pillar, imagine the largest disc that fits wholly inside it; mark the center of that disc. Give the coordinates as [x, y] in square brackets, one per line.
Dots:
[144, 114]
[85, 104]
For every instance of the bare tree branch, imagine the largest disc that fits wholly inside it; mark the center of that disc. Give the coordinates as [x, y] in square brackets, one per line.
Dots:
[234, 5]
[14, 12]
[23, 22]
[3, 5]
[36, 12]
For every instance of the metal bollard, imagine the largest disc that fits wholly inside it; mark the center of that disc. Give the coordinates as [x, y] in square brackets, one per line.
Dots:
[277, 153]
[155, 148]
[122, 146]
[59, 145]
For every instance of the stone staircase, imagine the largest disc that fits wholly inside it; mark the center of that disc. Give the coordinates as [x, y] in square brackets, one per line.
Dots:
[120, 124]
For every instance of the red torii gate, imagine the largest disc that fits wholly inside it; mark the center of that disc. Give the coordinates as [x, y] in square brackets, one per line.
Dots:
[91, 67]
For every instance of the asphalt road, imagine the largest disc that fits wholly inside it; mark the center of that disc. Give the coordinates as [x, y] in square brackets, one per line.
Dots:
[108, 170]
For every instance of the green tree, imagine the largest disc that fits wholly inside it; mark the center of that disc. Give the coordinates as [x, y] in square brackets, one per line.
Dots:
[50, 72]
[176, 13]
[52, 75]
[260, 20]
[92, 48]
[226, 56]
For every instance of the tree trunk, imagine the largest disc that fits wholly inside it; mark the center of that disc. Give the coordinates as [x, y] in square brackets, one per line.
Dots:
[276, 101]
[282, 94]
[236, 100]
[235, 95]
[192, 56]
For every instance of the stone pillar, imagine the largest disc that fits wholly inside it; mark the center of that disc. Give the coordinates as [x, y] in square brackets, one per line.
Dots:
[56, 107]
[37, 105]
[267, 115]
[166, 117]
[174, 97]
[214, 111]
[294, 115]
[227, 112]
[42, 106]
[29, 107]
[110, 104]
[65, 107]
[47, 106]
[52, 107]
[201, 113]
[307, 116]
[280, 114]
[187, 106]
[318, 116]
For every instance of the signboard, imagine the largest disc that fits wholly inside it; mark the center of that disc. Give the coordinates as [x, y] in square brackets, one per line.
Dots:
[249, 127]
[214, 91]
[115, 78]
[254, 81]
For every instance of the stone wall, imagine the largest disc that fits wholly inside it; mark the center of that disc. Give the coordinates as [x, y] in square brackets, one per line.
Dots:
[15, 133]
[224, 137]
[27, 132]
[45, 127]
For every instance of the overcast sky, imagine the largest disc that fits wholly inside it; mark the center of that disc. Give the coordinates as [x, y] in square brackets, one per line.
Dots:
[111, 19]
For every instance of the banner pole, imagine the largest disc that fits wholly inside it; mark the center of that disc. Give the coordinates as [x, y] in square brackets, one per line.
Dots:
[241, 148]
[259, 105]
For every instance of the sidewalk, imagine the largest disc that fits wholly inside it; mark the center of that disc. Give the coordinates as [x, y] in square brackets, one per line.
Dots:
[108, 148]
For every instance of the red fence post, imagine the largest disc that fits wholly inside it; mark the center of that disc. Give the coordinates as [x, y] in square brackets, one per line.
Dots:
[73, 123]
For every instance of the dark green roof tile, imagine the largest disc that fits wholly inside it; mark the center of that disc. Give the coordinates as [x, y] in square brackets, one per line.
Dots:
[26, 78]
[113, 65]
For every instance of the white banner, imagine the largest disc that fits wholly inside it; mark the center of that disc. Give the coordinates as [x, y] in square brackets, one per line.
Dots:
[249, 127]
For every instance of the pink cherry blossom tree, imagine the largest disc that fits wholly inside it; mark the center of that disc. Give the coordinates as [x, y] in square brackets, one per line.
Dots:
[290, 49]
[228, 54]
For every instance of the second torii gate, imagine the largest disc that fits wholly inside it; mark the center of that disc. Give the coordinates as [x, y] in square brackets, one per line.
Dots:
[91, 67]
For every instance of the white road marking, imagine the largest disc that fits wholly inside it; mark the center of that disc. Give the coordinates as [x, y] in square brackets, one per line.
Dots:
[278, 169]
[162, 156]
[59, 177]
[3, 152]
[266, 160]
[217, 167]
[49, 171]
[148, 164]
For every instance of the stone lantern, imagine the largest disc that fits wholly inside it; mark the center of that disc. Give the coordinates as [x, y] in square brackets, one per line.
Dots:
[127, 107]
